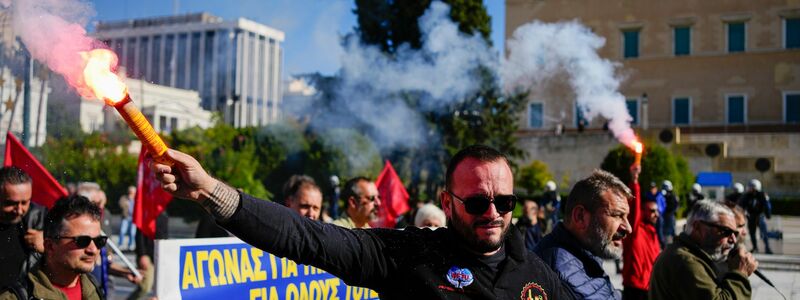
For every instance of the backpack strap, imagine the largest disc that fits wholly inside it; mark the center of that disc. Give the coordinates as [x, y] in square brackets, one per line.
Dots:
[20, 288]
[97, 287]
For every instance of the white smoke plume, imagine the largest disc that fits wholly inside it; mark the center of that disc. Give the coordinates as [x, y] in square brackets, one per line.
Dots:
[442, 72]
[537, 51]
[54, 33]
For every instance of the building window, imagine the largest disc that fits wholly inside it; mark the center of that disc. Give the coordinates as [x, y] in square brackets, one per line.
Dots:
[792, 33]
[169, 61]
[155, 63]
[173, 124]
[536, 115]
[683, 40]
[630, 42]
[736, 109]
[736, 37]
[792, 107]
[180, 57]
[130, 58]
[163, 126]
[580, 120]
[633, 110]
[681, 111]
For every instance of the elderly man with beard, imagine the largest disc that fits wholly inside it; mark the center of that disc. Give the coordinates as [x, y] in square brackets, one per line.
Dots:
[472, 258]
[685, 270]
[595, 222]
[71, 246]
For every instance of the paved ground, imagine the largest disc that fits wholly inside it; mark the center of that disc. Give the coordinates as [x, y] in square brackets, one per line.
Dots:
[782, 268]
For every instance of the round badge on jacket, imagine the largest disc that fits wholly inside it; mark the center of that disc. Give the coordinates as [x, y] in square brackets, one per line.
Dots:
[460, 277]
[533, 291]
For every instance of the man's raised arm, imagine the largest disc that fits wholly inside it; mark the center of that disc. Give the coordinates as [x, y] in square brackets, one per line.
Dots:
[355, 256]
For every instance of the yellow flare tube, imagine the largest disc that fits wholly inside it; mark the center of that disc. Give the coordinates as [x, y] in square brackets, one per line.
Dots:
[142, 128]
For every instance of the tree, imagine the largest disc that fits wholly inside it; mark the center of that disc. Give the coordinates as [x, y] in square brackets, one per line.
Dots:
[91, 157]
[658, 164]
[226, 152]
[484, 118]
[345, 153]
[390, 24]
[282, 151]
[533, 177]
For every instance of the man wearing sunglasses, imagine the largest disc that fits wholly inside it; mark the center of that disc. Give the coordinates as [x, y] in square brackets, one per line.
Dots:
[362, 201]
[685, 270]
[595, 222]
[71, 246]
[473, 258]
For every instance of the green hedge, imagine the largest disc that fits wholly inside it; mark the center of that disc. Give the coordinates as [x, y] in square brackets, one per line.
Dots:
[786, 206]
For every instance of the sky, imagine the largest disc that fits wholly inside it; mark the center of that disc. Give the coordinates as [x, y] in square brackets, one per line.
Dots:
[312, 27]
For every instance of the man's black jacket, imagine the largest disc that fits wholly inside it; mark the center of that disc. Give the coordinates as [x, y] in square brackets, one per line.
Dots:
[398, 264]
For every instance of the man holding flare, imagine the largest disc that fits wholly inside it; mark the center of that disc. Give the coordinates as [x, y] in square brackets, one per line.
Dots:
[473, 258]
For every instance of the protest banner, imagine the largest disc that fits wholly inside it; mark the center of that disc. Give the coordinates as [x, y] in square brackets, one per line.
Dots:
[227, 268]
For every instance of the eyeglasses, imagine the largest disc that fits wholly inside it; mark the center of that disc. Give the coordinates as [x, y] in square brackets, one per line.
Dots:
[82, 241]
[722, 230]
[371, 198]
[478, 204]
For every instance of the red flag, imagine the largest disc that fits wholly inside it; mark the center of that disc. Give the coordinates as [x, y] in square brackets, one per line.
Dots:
[46, 189]
[394, 197]
[151, 199]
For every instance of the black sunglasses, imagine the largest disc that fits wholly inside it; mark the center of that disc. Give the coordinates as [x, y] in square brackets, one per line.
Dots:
[82, 241]
[478, 204]
[372, 198]
[723, 231]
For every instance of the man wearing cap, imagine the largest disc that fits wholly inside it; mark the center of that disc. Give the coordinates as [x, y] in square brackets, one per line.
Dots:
[474, 257]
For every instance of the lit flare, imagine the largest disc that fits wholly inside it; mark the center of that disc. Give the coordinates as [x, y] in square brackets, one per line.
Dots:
[638, 148]
[106, 85]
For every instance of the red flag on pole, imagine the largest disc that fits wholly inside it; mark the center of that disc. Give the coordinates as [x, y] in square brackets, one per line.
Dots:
[151, 200]
[46, 190]
[394, 197]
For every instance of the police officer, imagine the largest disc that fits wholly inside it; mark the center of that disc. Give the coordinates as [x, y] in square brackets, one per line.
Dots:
[473, 258]
[756, 204]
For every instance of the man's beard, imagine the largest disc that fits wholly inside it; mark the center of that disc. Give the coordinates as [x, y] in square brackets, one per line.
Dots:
[717, 253]
[600, 244]
[470, 237]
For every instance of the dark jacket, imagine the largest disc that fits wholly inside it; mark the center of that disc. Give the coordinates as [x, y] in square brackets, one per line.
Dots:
[531, 233]
[34, 219]
[672, 204]
[397, 264]
[580, 269]
[684, 271]
[756, 203]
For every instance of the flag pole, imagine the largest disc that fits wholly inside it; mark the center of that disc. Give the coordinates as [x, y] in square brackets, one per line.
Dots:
[122, 256]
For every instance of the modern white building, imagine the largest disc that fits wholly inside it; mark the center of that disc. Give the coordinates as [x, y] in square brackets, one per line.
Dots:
[166, 108]
[235, 66]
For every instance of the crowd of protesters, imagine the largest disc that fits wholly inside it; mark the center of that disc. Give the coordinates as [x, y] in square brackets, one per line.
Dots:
[61, 252]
